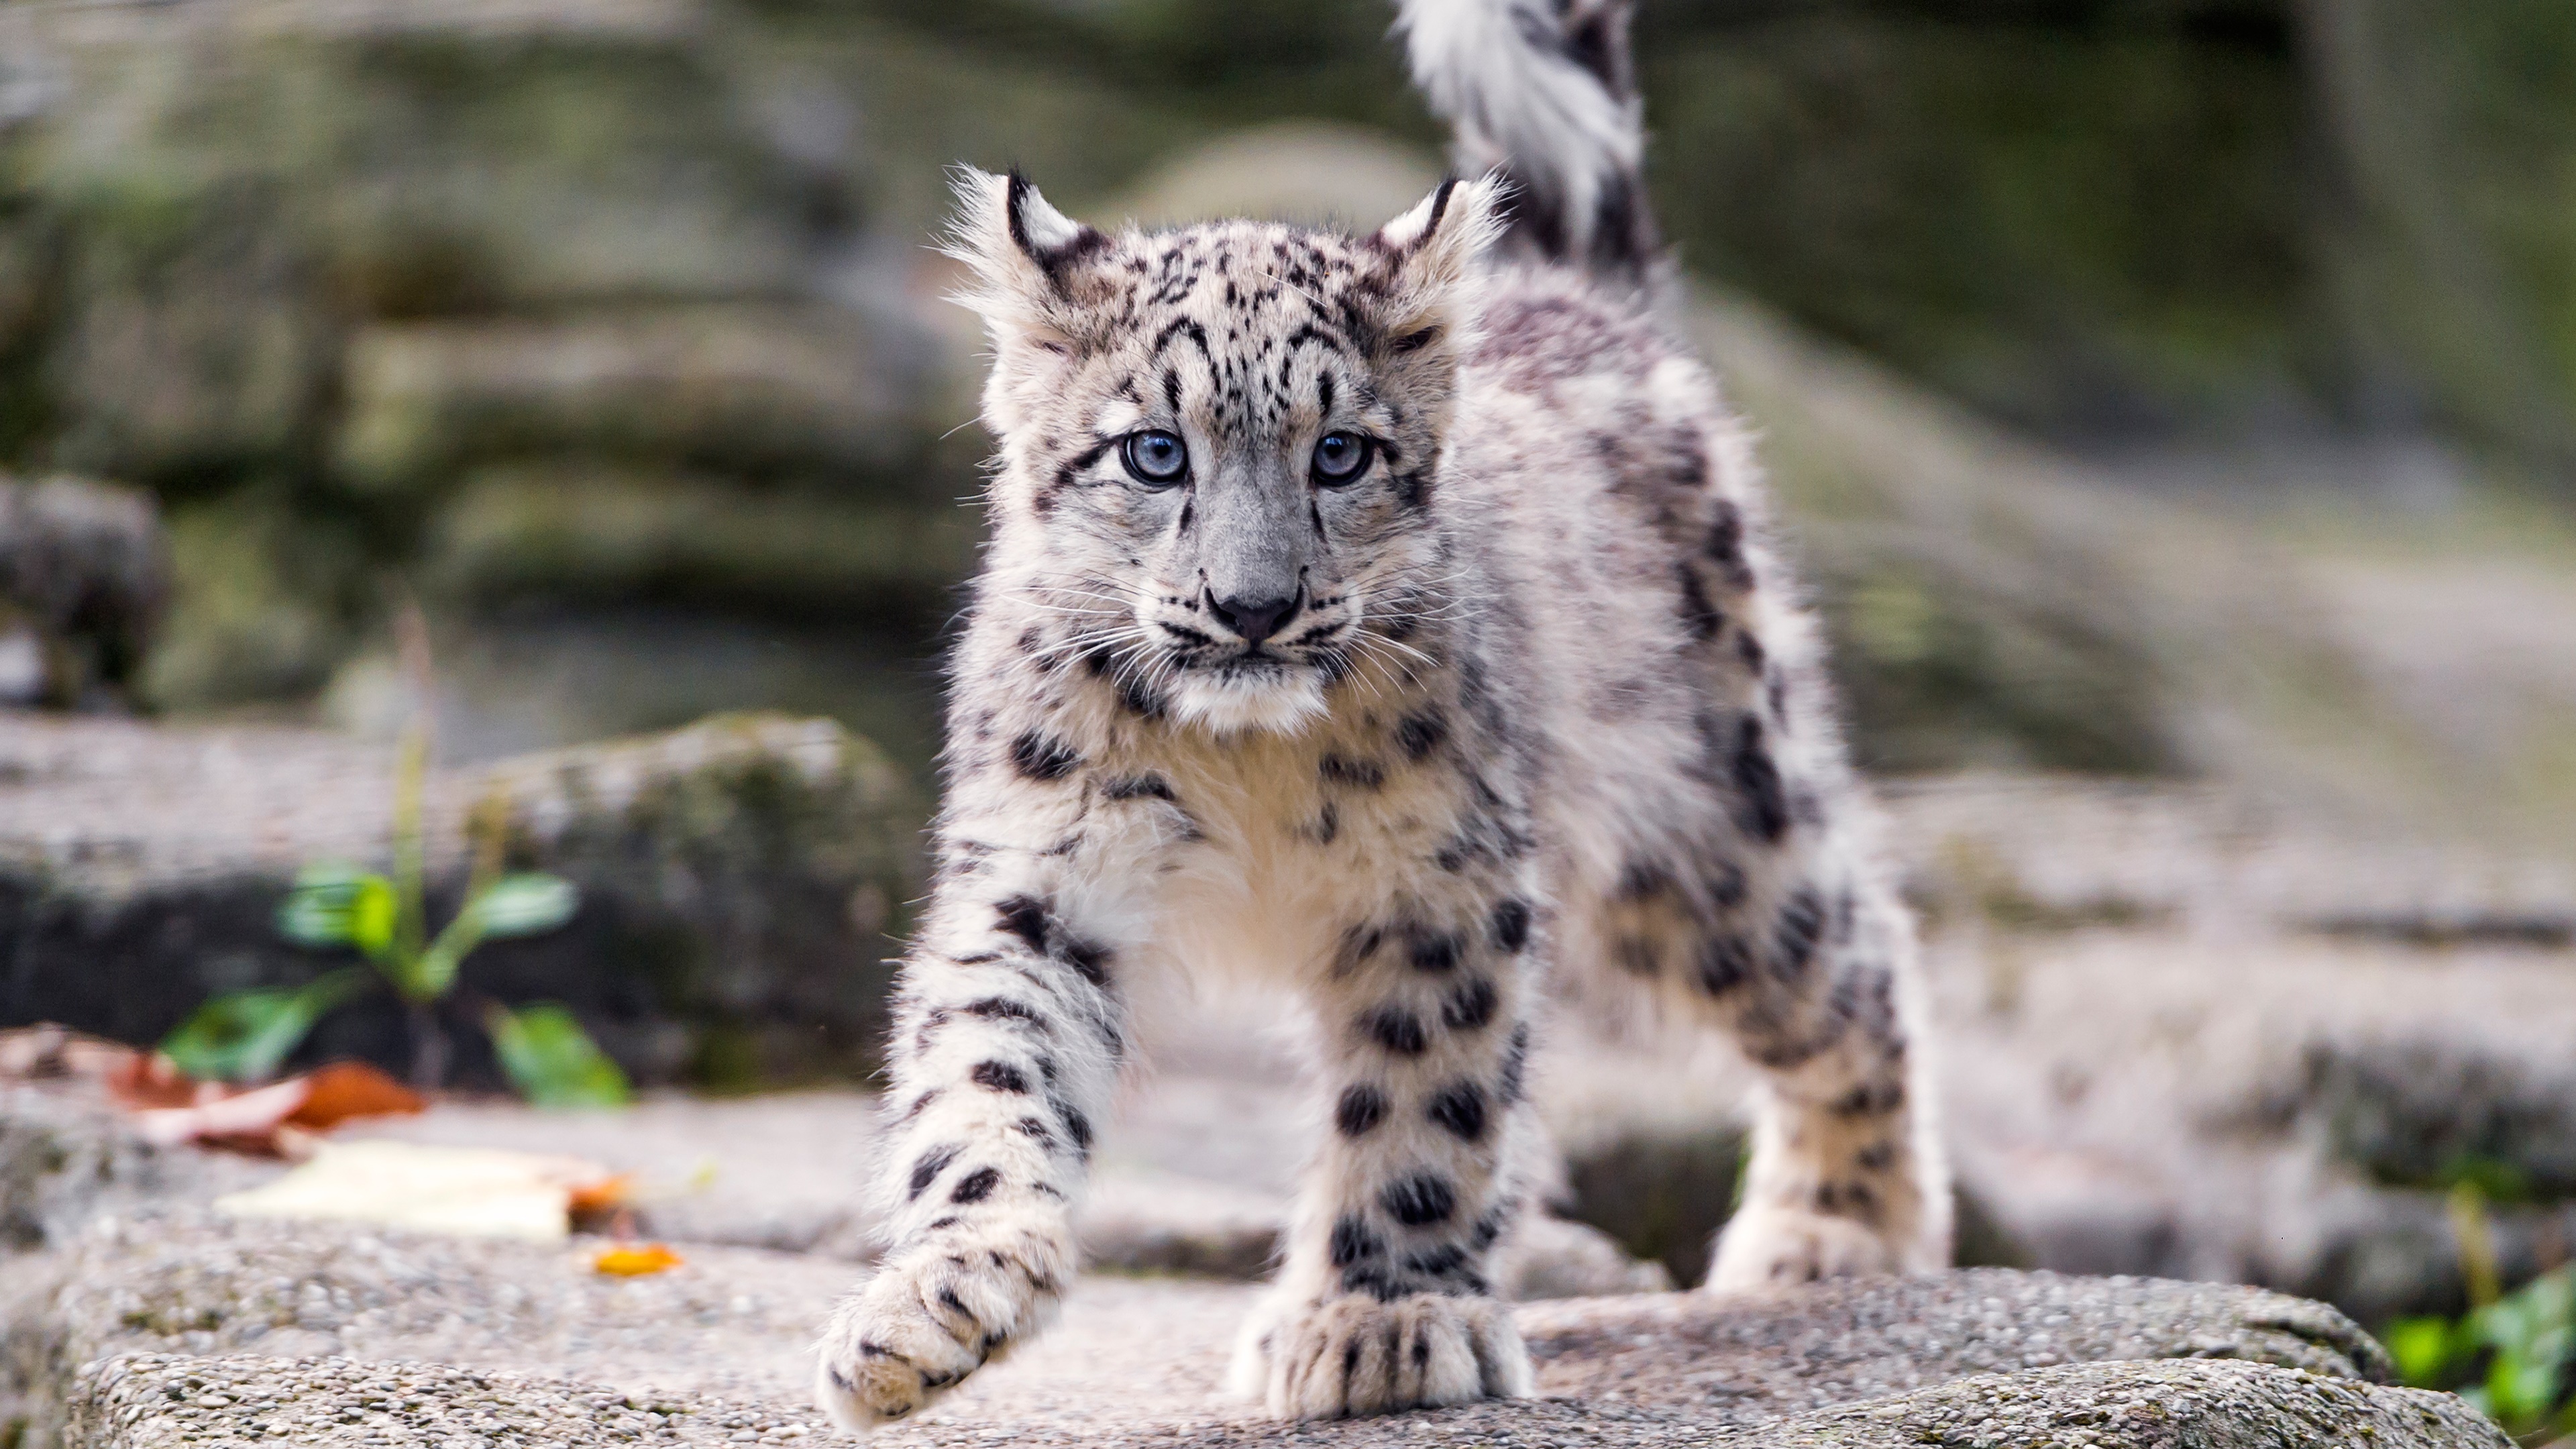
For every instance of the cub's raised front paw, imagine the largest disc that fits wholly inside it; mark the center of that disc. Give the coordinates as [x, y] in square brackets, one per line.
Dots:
[933, 1315]
[1764, 1245]
[1355, 1355]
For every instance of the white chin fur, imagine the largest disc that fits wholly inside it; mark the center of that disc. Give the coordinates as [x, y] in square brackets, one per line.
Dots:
[1280, 703]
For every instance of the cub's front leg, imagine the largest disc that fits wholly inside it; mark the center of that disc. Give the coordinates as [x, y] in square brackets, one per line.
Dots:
[1006, 1048]
[1385, 1302]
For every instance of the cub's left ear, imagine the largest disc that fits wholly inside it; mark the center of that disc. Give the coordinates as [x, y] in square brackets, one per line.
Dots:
[1432, 250]
[1026, 255]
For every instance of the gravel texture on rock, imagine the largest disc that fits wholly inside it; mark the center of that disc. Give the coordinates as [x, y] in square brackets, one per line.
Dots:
[182, 1328]
[2151, 1406]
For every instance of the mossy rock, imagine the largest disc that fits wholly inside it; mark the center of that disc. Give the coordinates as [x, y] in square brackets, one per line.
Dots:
[754, 389]
[528, 531]
[742, 881]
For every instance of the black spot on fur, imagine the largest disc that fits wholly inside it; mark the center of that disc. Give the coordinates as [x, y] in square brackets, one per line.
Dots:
[1359, 774]
[1460, 1108]
[1035, 1130]
[976, 1186]
[1026, 918]
[1471, 1005]
[1725, 545]
[1640, 878]
[1358, 944]
[1516, 1064]
[1002, 1008]
[1726, 888]
[1139, 787]
[1413, 488]
[1490, 1227]
[1749, 649]
[1699, 616]
[1414, 341]
[1328, 824]
[1000, 1077]
[1352, 1241]
[1067, 475]
[1422, 733]
[1725, 963]
[1420, 1200]
[1764, 807]
[1076, 1126]
[1801, 926]
[1088, 958]
[926, 1169]
[1434, 951]
[1511, 925]
[1397, 1030]
[1876, 1157]
[1440, 1262]
[1870, 1099]
[1361, 1108]
[1374, 1280]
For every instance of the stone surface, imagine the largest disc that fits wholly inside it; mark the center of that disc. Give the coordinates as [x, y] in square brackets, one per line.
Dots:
[319, 1334]
[592, 535]
[758, 389]
[84, 582]
[2152, 1406]
[739, 878]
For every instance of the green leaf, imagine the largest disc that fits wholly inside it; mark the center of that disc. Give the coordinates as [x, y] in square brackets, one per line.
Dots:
[2422, 1349]
[241, 1036]
[525, 905]
[553, 1061]
[338, 905]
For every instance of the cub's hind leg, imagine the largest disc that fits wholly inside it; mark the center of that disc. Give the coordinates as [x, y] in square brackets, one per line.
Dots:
[1384, 1302]
[1736, 880]
[1804, 960]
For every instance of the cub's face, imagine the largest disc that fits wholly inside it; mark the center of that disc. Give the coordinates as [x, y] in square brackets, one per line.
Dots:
[1218, 443]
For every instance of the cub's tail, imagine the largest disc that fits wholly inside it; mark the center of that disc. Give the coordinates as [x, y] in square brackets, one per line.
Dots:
[1545, 92]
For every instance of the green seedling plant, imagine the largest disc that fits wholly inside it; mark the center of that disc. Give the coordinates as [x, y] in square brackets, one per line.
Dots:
[245, 1035]
[2512, 1354]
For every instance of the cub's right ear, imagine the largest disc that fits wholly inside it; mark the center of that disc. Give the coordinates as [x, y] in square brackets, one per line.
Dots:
[1026, 255]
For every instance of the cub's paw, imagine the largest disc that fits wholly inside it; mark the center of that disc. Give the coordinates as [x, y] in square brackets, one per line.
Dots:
[1765, 1245]
[933, 1315]
[1355, 1355]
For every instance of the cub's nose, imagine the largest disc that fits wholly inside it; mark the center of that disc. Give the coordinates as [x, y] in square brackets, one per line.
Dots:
[1254, 619]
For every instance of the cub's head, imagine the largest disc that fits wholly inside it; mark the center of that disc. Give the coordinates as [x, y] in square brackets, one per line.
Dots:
[1217, 479]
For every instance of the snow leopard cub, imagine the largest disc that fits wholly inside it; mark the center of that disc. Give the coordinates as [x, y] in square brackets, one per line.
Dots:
[1390, 618]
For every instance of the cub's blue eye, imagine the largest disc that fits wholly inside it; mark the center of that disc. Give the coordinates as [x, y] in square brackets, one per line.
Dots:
[1340, 458]
[1155, 457]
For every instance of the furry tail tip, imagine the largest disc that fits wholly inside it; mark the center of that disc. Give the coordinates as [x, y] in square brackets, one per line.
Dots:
[1545, 91]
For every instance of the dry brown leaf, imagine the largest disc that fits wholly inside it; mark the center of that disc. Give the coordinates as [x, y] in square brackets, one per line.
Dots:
[342, 1090]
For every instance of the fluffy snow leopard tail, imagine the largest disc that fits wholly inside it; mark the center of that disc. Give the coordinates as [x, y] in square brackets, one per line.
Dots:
[1545, 91]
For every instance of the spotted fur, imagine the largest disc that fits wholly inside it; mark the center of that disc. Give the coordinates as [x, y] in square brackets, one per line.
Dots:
[1541, 709]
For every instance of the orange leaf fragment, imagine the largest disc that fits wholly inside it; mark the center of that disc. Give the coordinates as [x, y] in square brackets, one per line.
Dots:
[601, 1194]
[633, 1260]
[343, 1090]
